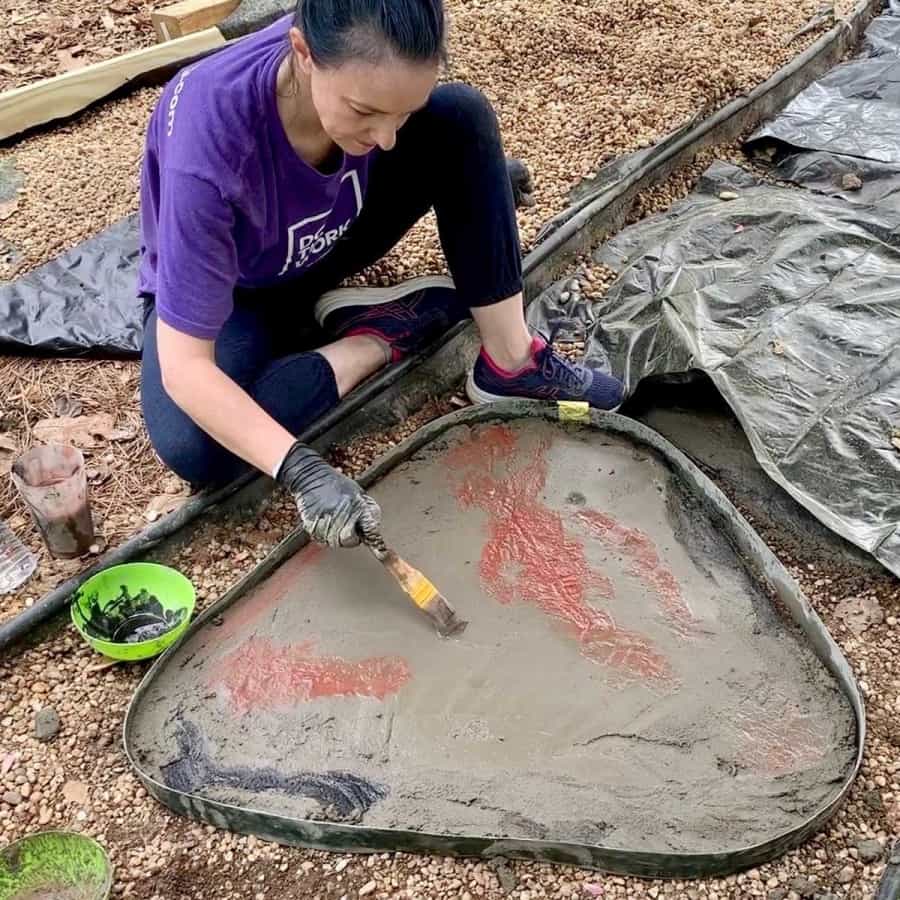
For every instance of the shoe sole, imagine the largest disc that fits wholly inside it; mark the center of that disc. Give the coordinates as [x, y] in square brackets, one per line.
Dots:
[339, 298]
[479, 397]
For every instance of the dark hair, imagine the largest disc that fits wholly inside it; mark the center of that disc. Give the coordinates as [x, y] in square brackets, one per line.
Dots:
[337, 31]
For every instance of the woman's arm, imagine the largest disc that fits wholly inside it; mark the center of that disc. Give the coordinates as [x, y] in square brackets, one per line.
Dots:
[216, 403]
[333, 508]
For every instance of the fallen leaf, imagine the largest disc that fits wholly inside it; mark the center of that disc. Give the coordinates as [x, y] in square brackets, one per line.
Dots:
[67, 406]
[777, 347]
[66, 61]
[173, 485]
[97, 475]
[102, 666]
[165, 504]
[75, 792]
[8, 450]
[859, 613]
[8, 762]
[8, 207]
[86, 432]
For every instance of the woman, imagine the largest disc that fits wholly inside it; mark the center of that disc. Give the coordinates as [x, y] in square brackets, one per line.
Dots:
[274, 170]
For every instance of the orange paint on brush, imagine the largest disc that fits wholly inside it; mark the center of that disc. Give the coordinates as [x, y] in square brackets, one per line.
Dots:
[260, 675]
[528, 557]
[645, 565]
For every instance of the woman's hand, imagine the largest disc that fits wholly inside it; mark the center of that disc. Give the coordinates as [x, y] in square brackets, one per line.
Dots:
[334, 509]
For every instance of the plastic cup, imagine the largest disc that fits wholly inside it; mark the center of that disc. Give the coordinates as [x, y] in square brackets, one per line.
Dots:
[53, 483]
[17, 562]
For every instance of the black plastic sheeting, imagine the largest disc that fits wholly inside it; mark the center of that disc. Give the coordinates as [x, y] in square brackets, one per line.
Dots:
[854, 109]
[845, 124]
[790, 302]
[81, 303]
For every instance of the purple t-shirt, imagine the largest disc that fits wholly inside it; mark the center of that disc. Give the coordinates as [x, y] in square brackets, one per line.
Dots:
[225, 199]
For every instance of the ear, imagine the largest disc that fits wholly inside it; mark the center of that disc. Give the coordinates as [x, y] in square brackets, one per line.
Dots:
[300, 49]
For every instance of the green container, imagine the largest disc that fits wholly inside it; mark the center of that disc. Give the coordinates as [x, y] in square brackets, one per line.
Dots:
[54, 864]
[174, 592]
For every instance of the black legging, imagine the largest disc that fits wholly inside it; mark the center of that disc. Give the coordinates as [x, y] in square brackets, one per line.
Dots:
[449, 157]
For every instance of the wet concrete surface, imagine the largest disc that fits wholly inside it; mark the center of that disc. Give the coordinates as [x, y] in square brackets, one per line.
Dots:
[622, 681]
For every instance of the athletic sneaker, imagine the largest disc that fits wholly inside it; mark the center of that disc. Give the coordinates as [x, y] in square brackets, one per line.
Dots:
[407, 317]
[547, 377]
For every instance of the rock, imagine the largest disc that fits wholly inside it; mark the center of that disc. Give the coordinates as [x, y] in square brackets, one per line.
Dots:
[46, 724]
[44, 816]
[873, 800]
[869, 850]
[803, 886]
[851, 182]
[846, 875]
[13, 798]
[505, 875]
[75, 792]
[778, 894]
[340, 865]
[367, 888]
[859, 613]
[728, 195]
[826, 896]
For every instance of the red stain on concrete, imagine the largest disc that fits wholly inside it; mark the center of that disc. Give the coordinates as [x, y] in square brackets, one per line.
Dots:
[261, 675]
[777, 741]
[645, 565]
[529, 557]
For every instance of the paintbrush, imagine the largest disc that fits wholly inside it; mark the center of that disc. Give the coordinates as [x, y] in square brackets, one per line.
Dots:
[421, 591]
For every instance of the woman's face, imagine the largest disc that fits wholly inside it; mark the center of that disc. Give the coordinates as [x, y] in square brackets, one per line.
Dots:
[362, 105]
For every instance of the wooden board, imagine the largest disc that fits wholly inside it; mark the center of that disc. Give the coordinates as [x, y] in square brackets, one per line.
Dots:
[34, 104]
[188, 16]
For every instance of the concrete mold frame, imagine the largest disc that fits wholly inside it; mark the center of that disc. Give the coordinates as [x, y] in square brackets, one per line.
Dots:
[158, 718]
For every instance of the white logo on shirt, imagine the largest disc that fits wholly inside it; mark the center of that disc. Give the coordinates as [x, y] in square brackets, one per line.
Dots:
[306, 241]
[173, 103]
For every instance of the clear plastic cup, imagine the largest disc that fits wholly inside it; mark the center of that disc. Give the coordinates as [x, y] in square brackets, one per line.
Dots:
[17, 562]
[53, 483]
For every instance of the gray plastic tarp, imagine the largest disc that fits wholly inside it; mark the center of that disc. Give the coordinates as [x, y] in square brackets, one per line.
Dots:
[790, 302]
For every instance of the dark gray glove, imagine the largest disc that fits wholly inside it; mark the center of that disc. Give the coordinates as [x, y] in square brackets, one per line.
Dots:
[334, 509]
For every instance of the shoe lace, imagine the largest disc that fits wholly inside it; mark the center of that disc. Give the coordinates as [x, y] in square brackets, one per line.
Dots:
[558, 369]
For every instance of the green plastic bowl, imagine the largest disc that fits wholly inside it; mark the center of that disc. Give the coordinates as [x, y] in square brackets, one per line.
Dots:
[60, 864]
[171, 588]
